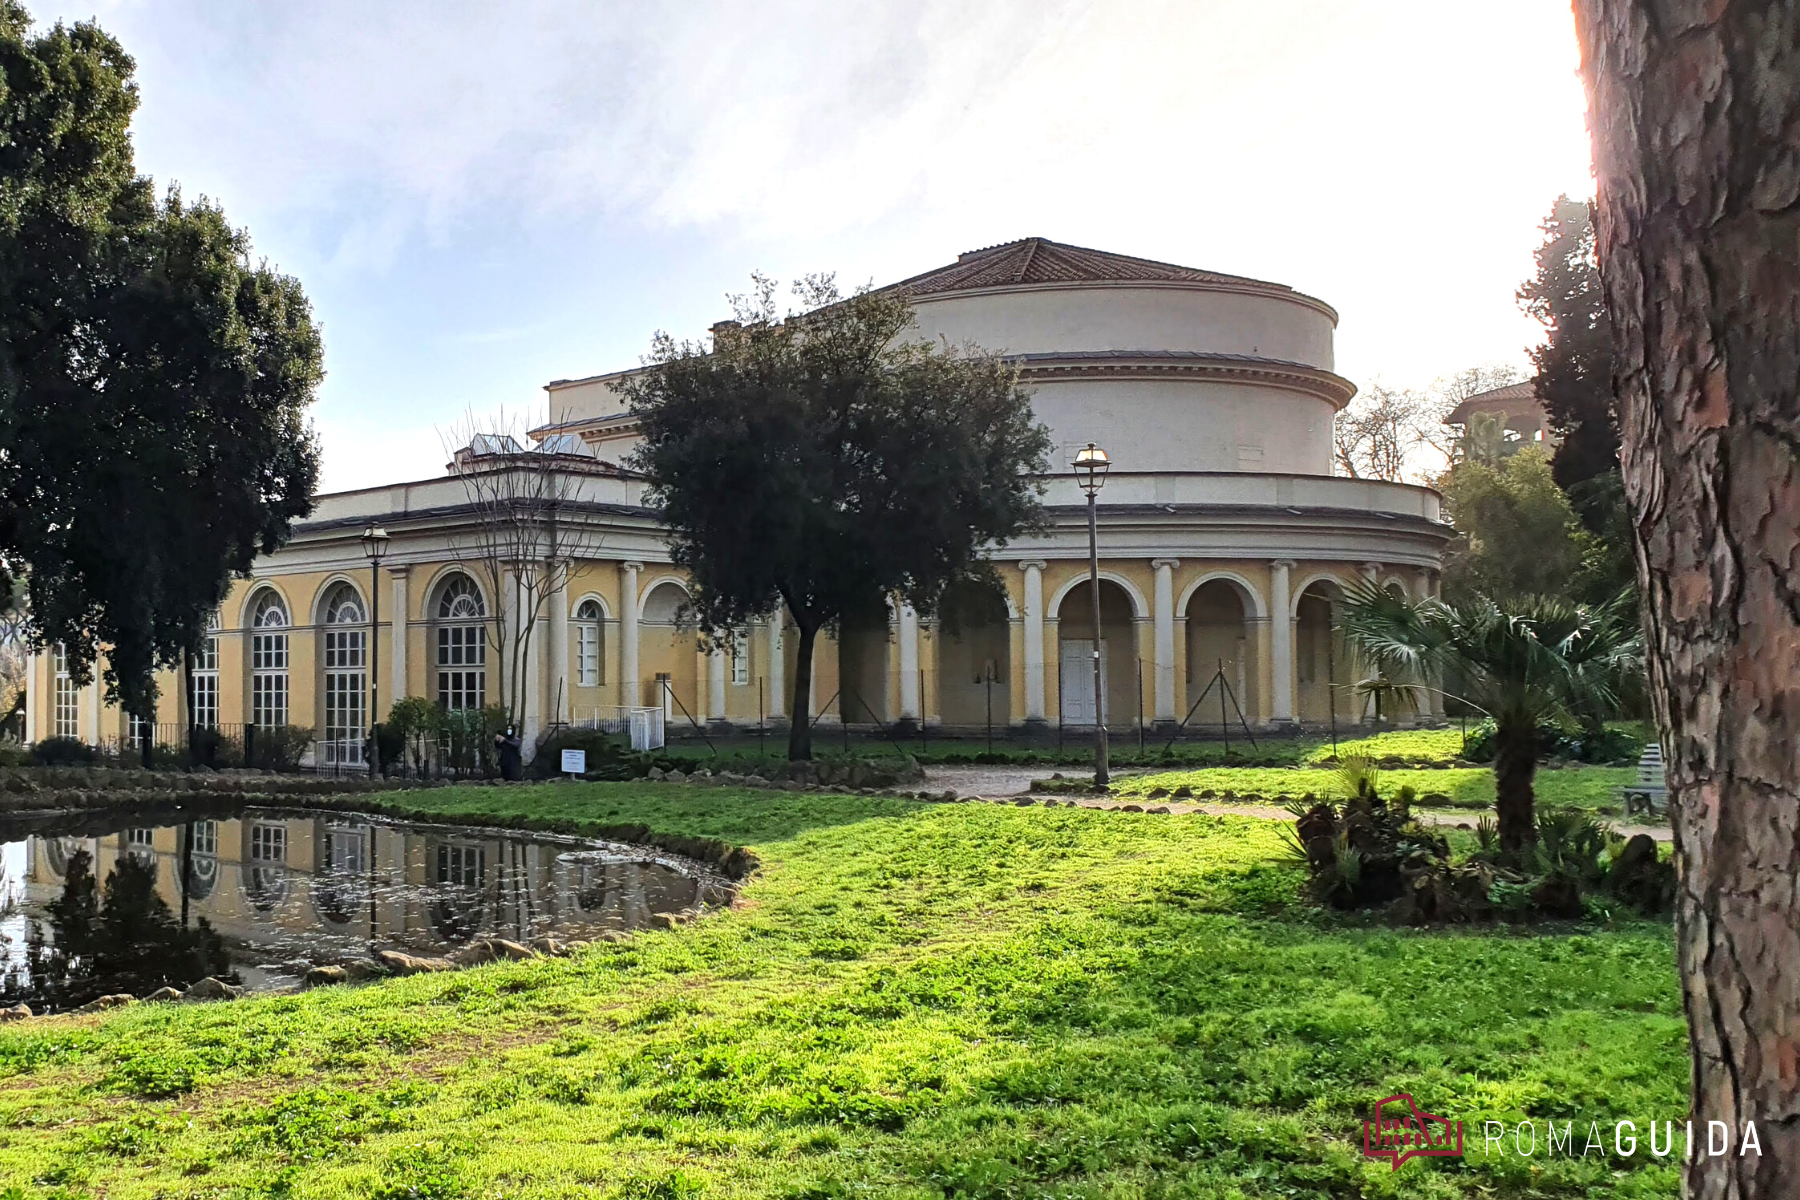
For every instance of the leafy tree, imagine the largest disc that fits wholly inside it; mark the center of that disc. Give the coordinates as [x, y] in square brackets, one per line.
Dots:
[829, 461]
[153, 380]
[1530, 660]
[1518, 534]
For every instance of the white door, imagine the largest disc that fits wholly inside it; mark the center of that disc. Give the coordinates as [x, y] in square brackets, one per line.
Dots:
[1078, 680]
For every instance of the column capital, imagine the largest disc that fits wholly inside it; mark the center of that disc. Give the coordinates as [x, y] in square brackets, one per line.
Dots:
[400, 570]
[1371, 569]
[1159, 563]
[1284, 564]
[631, 565]
[1033, 564]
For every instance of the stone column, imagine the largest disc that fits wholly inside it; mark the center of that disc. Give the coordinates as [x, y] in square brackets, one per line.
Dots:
[90, 703]
[715, 684]
[910, 709]
[1371, 572]
[631, 691]
[36, 667]
[777, 668]
[1434, 699]
[1034, 640]
[1281, 643]
[556, 648]
[1164, 659]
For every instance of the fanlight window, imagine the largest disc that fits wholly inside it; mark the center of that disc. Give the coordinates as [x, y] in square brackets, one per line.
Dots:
[346, 680]
[461, 645]
[269, 661]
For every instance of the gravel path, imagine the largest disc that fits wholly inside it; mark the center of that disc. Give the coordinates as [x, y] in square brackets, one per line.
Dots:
[1001, 782]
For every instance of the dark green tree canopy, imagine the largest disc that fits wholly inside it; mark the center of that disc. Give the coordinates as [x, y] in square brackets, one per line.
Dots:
[830, 460]
[1574, 363]
[153, 380]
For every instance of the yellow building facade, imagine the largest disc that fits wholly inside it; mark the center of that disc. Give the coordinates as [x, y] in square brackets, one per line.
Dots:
[1224, 539]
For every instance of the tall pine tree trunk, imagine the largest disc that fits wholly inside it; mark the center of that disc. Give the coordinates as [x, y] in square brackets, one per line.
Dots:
[800, 720]
[1696, 118]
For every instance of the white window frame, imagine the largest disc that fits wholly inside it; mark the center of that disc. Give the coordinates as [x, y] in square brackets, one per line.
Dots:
[740, 658]
[587, 645]
[66, 711]
[269, 661]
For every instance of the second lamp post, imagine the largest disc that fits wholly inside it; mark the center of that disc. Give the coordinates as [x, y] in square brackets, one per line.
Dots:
[1091, 466]
[374, 544]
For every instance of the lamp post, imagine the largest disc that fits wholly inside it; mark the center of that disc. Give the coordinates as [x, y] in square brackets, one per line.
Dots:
[1091, 465]
[374, 544]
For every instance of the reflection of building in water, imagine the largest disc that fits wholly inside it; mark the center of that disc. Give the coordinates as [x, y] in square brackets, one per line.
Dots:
[290, 885]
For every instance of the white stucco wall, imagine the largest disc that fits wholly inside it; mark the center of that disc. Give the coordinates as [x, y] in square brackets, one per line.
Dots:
[1043, 319]
[1181, 425]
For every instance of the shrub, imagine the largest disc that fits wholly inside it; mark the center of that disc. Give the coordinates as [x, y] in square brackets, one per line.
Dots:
[1364, 852]
[280, 747]
[61, 752]
[417, 725]
[1553, 741]
[604, 753]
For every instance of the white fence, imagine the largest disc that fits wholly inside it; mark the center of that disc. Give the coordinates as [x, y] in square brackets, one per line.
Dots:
[646, 726]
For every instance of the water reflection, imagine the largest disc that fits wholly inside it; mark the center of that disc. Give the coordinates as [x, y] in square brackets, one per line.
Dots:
[268, 894]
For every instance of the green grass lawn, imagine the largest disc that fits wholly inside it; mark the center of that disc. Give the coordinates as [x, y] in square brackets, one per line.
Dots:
[910, 1000]
[1467, 787]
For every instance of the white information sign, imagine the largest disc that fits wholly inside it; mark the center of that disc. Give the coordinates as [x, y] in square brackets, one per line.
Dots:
[574, 762]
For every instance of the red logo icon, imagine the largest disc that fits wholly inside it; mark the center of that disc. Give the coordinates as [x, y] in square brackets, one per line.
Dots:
[1401, 1130]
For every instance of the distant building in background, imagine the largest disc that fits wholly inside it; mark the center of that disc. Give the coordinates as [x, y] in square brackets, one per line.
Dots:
[1517, 406]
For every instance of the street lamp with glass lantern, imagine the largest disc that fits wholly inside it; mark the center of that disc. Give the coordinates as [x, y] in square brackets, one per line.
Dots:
[1091, 465]
[374, 544]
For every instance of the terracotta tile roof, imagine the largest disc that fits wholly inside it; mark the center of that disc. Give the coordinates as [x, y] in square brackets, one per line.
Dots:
[1040, 260]
[1511, 394]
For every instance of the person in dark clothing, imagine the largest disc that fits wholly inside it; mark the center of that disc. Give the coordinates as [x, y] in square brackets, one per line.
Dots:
[509, 750]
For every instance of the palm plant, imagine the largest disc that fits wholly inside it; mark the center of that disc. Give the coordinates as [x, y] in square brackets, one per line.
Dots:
[1535, 659]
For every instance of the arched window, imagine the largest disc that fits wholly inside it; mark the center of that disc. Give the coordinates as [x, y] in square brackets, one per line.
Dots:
[269, 661]
[206, 679]
[461, 644]
[589, 670]
[346, 679]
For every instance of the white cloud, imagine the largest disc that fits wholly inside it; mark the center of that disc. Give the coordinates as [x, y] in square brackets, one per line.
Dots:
[1391, 156]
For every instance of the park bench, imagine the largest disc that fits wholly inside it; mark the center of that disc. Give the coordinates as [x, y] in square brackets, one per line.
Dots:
[1651, 788]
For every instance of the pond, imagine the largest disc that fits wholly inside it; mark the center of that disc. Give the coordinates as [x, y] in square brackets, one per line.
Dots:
[102, 904]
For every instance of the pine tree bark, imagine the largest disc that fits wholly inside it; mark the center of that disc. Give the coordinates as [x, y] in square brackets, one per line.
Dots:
[1696, 118]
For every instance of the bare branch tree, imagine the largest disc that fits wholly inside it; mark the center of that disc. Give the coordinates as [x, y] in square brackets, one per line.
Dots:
[524, 537]
[1372, 437]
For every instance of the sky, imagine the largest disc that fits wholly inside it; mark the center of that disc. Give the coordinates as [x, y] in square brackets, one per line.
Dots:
[480, 197]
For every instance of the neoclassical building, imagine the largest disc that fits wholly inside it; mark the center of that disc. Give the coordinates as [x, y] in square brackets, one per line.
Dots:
[1224, 537]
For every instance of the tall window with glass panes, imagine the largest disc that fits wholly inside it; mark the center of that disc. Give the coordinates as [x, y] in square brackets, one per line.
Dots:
[346, 678]
[461, 645]
[269, 662]
[65, 723]
[205, 678]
